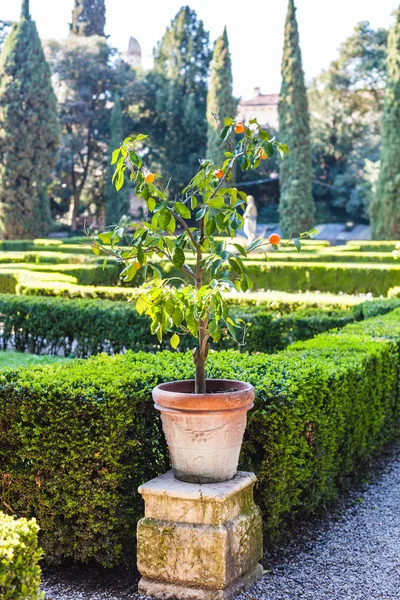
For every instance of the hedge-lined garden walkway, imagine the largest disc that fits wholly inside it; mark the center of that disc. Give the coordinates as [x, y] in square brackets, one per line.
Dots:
[356, 558]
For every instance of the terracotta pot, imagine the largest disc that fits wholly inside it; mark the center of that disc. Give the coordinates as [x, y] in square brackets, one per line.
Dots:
[204, 432]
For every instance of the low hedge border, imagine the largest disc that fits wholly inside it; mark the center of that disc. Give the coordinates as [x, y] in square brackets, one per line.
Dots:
[77, 439]
[19, 559]
[86, 327]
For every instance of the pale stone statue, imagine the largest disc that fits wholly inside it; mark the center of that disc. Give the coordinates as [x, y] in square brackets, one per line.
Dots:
[250, 219]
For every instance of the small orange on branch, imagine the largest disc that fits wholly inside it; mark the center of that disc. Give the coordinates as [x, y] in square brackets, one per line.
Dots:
[239, 127]
[149, 178]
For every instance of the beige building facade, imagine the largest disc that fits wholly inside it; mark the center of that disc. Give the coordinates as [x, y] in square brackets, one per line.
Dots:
[263, 107]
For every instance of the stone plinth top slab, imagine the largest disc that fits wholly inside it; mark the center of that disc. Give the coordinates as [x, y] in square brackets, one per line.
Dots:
[168, 499]
[167, 485]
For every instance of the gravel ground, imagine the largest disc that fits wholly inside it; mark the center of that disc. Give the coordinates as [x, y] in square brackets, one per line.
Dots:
[355, 557]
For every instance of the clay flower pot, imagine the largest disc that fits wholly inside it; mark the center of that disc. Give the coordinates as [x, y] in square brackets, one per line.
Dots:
[204, 432]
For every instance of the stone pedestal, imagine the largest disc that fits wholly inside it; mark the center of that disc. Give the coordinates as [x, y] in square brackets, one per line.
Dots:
[198, 541]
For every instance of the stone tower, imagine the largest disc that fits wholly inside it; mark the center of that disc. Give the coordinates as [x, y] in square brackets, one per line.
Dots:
[133, 55]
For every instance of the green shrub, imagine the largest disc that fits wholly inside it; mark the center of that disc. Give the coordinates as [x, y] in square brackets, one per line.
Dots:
[371, 246]
[19, 558]
[8, 283]
[331, 255]
[394, 292]
[83, 274]
[77, 439]
[85, 327]
[335, 278]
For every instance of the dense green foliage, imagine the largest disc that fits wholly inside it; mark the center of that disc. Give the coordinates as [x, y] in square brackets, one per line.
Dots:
[19, 559]
[117, 203]
[346, 112]
[322, 407]
[44, 276]
[220, 100]
[296, 205]
[385, 208]
[181, 65]
[88, 18]
[84, 327]
[87, 73]
[29, 134]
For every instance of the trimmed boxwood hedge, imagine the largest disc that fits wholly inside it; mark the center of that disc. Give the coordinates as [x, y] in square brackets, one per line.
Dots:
[85, 327]
[76, 440]
[19, 558]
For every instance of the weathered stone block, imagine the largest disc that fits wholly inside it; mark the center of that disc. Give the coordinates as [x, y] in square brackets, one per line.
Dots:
[198, 537]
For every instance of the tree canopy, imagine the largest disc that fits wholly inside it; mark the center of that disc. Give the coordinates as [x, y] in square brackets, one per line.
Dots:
[29, 132]
[296, 207]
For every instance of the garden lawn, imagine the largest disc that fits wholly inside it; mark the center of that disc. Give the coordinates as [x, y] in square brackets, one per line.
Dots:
[13, 360]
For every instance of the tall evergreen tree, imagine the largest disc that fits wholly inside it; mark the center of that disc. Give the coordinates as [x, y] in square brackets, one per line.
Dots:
[181, 64]
[117, 203]
[29, 134]
[220, 99]
[88, 18]
[296, 208]
[385, 207]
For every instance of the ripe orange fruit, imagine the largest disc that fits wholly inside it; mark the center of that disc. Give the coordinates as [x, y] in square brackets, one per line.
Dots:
[274, 239]
[239, 127]
[219, 173]
[149, 178]
[262, 154]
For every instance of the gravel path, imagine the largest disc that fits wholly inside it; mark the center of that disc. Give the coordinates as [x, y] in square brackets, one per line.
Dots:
[357, 558]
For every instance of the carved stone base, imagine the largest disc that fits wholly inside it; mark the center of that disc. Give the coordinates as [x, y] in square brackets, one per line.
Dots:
[170, 591]
[198, 541]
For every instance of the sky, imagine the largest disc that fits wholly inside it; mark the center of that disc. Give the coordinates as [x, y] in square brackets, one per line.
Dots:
[255, 29]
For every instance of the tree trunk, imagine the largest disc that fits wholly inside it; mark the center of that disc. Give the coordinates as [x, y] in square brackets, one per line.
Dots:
[200, 354]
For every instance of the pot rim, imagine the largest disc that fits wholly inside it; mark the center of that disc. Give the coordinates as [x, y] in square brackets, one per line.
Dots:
[165, 396]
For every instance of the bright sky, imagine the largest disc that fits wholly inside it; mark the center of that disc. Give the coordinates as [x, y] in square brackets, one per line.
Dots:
[255, 29]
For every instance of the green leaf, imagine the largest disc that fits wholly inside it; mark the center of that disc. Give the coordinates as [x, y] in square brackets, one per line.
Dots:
[164, 217]
[210, 227]
[120, 179]
[217, 202]
[177, 316]
[240, 249]
[151, 204]
[225, 133]
[193, 202]
[115, 155]
[228, 121]
[200, 213]
[141, 305]
[183, 210]
[129, 272]
[191, 322]
[105, 237]
[175, 339]
[178, 258]
[297, 243]
[141, 136]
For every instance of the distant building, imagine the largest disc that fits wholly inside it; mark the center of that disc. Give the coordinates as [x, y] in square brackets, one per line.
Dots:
[133, 55]
[263, 107]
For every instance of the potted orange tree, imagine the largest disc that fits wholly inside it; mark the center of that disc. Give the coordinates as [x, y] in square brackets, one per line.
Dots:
[203, 420]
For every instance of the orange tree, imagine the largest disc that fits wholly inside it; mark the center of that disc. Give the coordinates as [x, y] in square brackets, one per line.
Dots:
[194, 304]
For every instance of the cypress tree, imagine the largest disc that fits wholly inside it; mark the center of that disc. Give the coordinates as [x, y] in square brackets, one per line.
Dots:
[181, 65]
[117, 203]
[220, 99]
[88, 18]
[296, 208]
[29, 134]
[385, 207]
